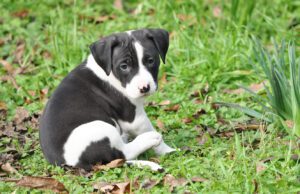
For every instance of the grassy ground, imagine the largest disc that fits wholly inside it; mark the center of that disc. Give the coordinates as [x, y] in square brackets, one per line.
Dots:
[210, 47]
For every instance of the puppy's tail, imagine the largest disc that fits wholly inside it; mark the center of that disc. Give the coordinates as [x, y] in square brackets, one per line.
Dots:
[144, 163]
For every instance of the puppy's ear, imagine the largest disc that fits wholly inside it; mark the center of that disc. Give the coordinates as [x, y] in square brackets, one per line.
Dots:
[102, 51]
[160, 39]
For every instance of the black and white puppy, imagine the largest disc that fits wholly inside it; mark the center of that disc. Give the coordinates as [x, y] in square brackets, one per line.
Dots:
[99, 105]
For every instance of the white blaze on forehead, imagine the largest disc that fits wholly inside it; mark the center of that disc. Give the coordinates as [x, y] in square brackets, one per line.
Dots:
[143, 76]
[139, 52]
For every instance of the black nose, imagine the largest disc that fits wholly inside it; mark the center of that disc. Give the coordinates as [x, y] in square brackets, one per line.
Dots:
[145, 89]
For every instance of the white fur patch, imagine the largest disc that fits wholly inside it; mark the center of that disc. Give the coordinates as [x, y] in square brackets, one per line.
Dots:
[143, 163]
[83, 135]
[99, 72]
[142, 78]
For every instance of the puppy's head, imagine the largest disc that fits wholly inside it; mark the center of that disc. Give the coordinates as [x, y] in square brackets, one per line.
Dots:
[133, 58]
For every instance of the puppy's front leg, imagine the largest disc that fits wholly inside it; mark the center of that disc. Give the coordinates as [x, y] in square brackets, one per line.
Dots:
[147, 126]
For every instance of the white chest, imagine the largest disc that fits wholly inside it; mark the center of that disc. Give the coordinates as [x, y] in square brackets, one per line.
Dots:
[139, 124]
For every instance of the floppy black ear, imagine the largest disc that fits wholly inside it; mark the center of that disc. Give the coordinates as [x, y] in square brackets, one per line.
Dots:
[102, 52]
[160, 38]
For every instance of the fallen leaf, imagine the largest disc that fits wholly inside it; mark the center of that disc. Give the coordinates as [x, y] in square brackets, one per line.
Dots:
[43, 183]
[235, 91]
[101, 19]
[199, 179]
[255, 186]
[260, 167]
[8, 168]
[198, 101]
[163, 80]
[164, 103]
[205, 89]
[253, 87]
[186, 17]
[46, 54]
[113, 164]
[217, 11]
[173, 182]
[19, 52]
[118, 4]
[153, 159]
[20, 115]
[289, 123]
[186, 149]
[173, 108]
[7, 66]
[295, 157]
[21, 14]
[195, 94]
[149, 183]
[187, 120]
[3, 106]
[113, 188]
[199, 113]
[160, 125]
[202, 140]
[215, 106]
[225, 134]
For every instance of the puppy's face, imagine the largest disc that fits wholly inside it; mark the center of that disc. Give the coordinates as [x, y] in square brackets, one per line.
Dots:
[133, 58]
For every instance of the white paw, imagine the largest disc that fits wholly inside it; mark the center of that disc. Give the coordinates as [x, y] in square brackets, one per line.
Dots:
[153, 138]
[163, 149]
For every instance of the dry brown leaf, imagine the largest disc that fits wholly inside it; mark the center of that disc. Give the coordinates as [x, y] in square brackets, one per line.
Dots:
[255, 187]
[113, 164]
[113, 188]
[3, 106]
[8, 168]
[289, 123]
[185, 17]
[149, 183]
[199, 113]
[217, 11]
[21, 14]
[260, 167]
[174, 182]
[205, 89]
[199, 179]
[202, 140]
[43, 183]
[20, 115]
[253, 87]
[236, 91]
[46, 54]
[198, 101]
[153, 159]
[195, 94]
[7, 66]
[101, 19]
[19, 52]
[187, 120]
[163, 80]
[164, 103]
[118, 4]
[160, 125]
[174, 108]
[2, 41]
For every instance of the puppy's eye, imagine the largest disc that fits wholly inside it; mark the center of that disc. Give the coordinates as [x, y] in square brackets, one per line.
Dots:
[124, 67]
[150, 61]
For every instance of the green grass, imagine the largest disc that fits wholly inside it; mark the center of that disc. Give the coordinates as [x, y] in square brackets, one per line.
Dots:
[204, 49]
